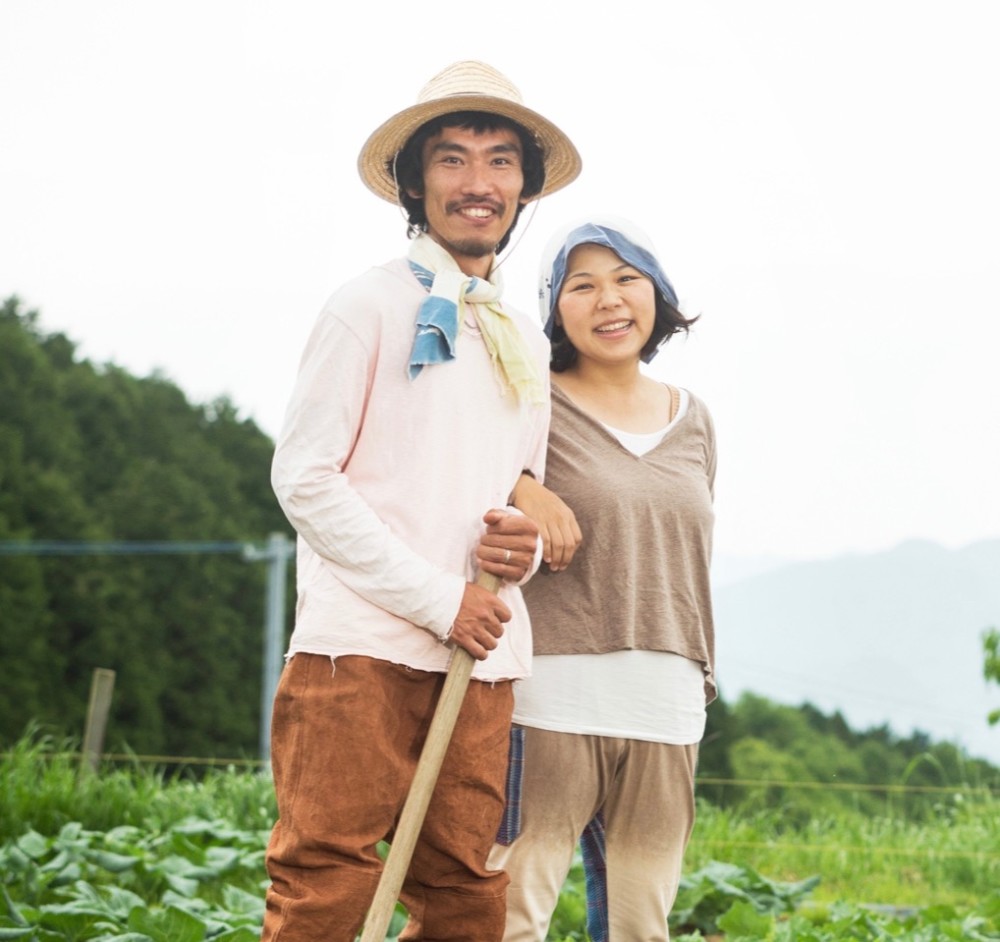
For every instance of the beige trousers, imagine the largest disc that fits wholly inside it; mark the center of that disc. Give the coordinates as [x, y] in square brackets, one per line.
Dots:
[646, 794]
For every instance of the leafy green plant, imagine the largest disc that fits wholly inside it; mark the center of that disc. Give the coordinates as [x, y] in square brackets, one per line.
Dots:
[709, 893]
[197, 880]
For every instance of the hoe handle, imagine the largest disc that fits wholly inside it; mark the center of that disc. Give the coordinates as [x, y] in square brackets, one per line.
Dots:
[424, 780]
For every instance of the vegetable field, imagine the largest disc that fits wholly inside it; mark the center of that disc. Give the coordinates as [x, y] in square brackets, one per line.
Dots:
[133, 855]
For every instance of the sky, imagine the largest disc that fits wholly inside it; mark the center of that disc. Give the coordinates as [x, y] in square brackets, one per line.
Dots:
[178, 193]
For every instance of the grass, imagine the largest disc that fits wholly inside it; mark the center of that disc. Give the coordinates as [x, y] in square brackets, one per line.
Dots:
[44, 788]
[951, 857]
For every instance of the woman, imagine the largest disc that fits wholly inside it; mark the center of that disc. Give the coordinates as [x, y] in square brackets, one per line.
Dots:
[608, 725]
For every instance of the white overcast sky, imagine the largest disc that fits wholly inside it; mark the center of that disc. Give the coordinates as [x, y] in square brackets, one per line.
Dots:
[178, 192]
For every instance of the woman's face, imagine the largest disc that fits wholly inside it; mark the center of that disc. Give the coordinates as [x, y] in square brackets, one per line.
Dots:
[606, 306]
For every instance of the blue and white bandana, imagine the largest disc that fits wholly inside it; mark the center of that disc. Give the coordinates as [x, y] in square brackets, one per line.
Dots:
[624, 238]
[439, 320]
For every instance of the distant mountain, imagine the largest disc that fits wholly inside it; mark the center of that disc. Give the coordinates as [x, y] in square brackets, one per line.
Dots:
[890, 638]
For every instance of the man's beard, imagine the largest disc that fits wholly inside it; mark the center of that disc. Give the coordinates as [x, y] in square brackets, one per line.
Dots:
[472, 248]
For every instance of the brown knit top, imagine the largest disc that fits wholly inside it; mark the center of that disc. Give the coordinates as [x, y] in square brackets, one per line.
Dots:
[640, 579]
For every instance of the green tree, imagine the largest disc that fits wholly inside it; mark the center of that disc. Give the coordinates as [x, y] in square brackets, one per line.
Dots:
[991, 665]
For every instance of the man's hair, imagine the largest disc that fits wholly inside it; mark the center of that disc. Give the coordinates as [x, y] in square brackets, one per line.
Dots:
[667, 322]
[408, 166]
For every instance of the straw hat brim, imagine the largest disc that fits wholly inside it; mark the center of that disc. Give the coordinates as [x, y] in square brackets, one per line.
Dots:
[562, 162]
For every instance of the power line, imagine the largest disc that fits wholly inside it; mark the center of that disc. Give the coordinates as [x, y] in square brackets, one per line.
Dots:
[116, 548]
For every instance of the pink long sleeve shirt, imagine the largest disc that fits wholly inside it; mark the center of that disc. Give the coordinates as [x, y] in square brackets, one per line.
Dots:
[386, 480]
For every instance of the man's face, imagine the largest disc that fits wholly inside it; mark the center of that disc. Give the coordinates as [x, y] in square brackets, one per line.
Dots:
[472, 187]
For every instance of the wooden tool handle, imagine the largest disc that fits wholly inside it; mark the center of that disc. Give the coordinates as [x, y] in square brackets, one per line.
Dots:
[424, 780]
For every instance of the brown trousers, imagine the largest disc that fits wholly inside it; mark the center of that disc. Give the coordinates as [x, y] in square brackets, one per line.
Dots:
[346, 737]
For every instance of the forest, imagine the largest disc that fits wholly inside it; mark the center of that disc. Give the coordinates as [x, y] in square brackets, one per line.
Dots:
[91, 455]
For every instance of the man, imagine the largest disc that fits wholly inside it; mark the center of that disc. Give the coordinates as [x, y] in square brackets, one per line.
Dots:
[419, 401]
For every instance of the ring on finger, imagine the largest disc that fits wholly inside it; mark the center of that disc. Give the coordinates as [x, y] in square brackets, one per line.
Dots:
[506, 556]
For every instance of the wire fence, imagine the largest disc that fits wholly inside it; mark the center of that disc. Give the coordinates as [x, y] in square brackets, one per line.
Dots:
[985, 790]
[860, 849]
[752, 840]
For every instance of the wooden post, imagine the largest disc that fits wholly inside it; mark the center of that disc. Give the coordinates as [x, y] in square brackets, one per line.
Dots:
[102, 685]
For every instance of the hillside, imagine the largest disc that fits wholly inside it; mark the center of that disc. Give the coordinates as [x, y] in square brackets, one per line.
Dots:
[888, 638]
[89, 456]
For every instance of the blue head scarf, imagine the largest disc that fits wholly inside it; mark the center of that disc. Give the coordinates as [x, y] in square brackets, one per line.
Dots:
[624, 238]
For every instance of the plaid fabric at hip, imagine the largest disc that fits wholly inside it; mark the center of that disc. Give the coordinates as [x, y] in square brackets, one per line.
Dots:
[510, 825]
[595, 869]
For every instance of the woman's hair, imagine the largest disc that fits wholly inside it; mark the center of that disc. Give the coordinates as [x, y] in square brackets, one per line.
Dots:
[667, 322]
[407, 168]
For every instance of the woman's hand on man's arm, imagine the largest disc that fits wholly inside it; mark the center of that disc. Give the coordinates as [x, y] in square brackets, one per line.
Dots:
[557, 524]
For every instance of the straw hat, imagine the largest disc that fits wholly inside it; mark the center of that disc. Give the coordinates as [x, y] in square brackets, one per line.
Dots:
[466, 86]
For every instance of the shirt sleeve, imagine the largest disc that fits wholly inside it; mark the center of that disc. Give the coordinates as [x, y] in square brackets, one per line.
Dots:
[535, 464]
[540, 442]
[321, 426]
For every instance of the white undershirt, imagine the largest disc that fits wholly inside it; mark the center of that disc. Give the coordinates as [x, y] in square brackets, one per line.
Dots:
[649, 695]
